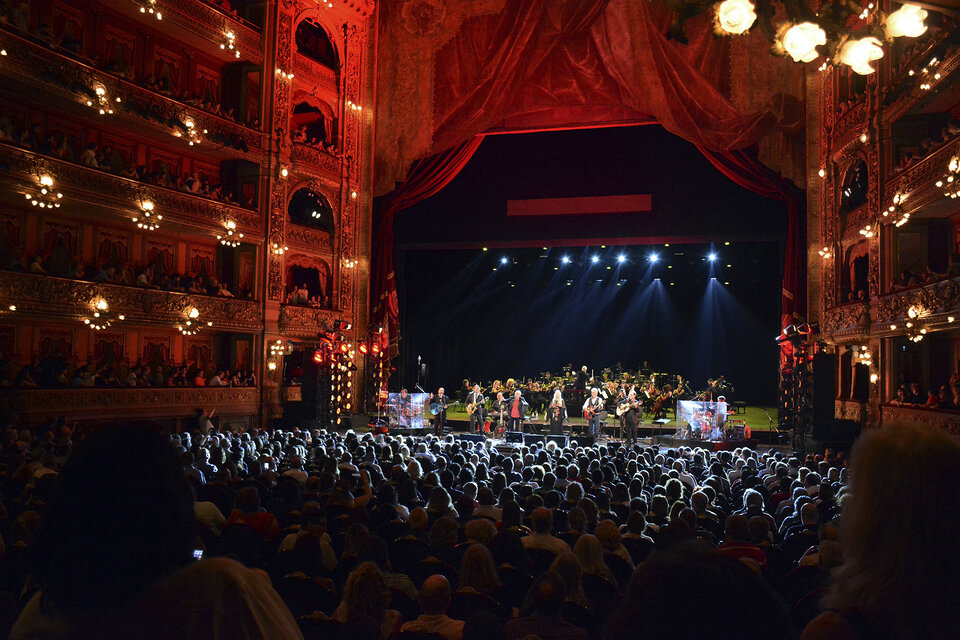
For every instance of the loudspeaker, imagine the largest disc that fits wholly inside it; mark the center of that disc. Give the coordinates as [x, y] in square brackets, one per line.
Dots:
[824, 389]
[470, 437]
[560, 440]
[533, 438]
[838, 435]
[514, 437]
[581, 441]
[861, 383]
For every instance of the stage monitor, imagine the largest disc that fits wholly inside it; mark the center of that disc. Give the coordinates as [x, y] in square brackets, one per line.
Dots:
[514, 437]
[532, 438]
[409, 410]
[559, 439]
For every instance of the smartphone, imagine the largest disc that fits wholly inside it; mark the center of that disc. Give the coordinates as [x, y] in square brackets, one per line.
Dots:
[198, 554]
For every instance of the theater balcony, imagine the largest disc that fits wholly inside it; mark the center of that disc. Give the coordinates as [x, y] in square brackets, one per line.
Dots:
[930, 307]
[893, 415]
[171, 406]
[306, 322]
[19, 168]
[52, 298]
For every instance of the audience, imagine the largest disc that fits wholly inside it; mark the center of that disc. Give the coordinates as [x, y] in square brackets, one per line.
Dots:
[318, 512]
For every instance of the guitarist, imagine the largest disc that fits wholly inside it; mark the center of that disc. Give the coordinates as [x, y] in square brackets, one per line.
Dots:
[591, 411]
[629, 411]
[475, 402]
[441, 402]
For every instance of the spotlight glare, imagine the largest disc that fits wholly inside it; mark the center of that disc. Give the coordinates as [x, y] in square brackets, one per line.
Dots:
[503, 260]
[621, 258]
[653, 257]
[712, 257]
[565, 260]
[595, 259]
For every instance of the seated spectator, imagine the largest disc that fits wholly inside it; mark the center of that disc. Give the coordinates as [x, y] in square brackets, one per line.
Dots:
[542, 538]
[364, 604]
[137, 550]
[736, 545]
[544, 620]
[434, 599]
[247, 511]
[895, 576]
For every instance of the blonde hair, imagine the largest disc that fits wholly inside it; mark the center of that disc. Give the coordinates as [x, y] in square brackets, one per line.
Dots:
[477, 570]
[590, 554]
[366, 594]
[900, 563]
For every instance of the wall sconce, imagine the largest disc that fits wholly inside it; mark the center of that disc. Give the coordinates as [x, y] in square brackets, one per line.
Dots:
[230, 43]
[283, 74]
[825, 253]
[279, 250]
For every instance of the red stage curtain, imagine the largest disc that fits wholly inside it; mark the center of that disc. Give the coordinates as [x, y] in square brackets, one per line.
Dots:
[426, 178]
[743, 168]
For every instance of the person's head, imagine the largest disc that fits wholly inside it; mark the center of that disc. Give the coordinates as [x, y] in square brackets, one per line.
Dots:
[542, 520]
[902, 498]
[477, 570]
[608, 534]
[546, 595]
[517, 393]
[121, 518]
[737, 528]
[480, 530]
[809, 514]
[702, 575]
[434, 595]
[443, 533]
[590, 553]
[247, 500]
[440, 391]
[365, 595]
[594, 391]
[568, 568]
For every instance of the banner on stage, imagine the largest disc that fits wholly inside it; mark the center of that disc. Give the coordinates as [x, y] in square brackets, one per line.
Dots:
[701, 420]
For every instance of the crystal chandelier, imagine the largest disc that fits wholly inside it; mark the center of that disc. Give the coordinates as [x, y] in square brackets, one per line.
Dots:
[839, 31]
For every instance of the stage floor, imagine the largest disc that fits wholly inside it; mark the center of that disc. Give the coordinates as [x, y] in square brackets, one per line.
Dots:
[757, 418]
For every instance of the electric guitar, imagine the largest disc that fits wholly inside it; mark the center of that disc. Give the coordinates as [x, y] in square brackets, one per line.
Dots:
[473, 406]
[436, 407]
[589, 412]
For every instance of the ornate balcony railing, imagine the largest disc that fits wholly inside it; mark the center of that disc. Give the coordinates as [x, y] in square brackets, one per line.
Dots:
[848, 321]
[930, 304]
[116, 192]
[36, 405]
[65, 299]
[892, 415]
[59, 74]
[918, 182]
[305, 322]
[314, 74]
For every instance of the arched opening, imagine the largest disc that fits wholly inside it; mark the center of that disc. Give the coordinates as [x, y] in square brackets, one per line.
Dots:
[854, 188]
[314, 124]
[308, 285]
[309, 208]
[853, 280]
[313, 42]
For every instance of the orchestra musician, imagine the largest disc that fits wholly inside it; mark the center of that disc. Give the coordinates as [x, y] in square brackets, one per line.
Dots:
[475, 400]
[591, 410]
[631, 417]
[518, 409]
[405, 408]
[500, 408]
[557, 413]
[582, 377]
[440, 418]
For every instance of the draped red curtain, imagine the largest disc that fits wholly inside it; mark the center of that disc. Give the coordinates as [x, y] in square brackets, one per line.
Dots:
[426, 178]
[743, 168]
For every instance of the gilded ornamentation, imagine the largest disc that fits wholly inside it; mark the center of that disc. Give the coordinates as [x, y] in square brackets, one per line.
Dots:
[893, 415]
[37, 404]
[68, 299]
[936, 298]
[850, 318]
[306, 321]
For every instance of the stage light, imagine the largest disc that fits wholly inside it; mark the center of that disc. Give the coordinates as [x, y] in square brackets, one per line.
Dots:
[621, 258]
[594, 259]
[318, 356]
[565, 260]
[726, 244]
[653, 257]
[712, 257]
[503, 260]
[726, 283]
[363, 348]
[729, 266]
[485, 248]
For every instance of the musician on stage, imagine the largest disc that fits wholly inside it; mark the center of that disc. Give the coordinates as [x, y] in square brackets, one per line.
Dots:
[582, 377]
[631, 417]
[517, 410]
[499, 410]
[405, 408]
[557, 413]
[591, 410]
[476, 400]
[440, 418]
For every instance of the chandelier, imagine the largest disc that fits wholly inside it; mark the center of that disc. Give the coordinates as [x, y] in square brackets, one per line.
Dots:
[100, 318]
[46, 195]
[231, 238]
[148, 219]
[840, 31]
[192, 325]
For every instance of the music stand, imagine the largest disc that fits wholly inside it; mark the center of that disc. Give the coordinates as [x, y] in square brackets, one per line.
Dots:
[660, 423]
